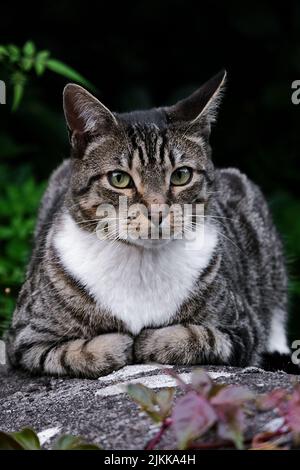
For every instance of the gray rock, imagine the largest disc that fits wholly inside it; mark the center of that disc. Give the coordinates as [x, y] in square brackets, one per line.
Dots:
[100, 410]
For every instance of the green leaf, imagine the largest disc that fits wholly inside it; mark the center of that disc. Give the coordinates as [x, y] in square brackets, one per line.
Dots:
[62, 69]
[3, 52]
[26, 63]
[40, 62]
[145, 398]
[29, 48]
[164, 400]
[231, 425]
[28, 439]
[69, 442]
[18, 81]
[7, 442]
[22, 440]
[18, 92]
[14, 53]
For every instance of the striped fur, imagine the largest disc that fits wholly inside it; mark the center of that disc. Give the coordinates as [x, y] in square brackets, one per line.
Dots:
[85, 308]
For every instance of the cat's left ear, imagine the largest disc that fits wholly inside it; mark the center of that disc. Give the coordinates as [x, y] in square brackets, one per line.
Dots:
[84, 113]
[201, 107]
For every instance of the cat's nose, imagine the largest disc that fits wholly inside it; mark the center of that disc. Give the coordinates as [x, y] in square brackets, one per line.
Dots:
[156, 217]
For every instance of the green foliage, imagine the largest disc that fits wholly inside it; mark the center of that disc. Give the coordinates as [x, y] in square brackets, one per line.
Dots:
[35, 133]
[73, 443]
[21, 61]
[22, 440]
[27, 439]
[18, 209]
[156, 405]
[286, 210]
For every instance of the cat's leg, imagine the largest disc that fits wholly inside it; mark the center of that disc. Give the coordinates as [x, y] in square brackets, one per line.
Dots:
[88, 358]
[277, 355]
[195, 344]
[277, 340]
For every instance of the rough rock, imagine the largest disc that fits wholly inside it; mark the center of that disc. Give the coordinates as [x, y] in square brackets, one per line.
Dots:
[100, 411]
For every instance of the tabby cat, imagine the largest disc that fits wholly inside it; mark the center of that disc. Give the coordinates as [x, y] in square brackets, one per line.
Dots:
[91, 304]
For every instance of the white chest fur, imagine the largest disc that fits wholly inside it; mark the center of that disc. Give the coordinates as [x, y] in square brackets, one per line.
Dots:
[142, 287]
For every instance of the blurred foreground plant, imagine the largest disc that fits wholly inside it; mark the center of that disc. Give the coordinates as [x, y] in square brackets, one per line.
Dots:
[210, 415]
[207, 415]
[20, 62]
[27, 439]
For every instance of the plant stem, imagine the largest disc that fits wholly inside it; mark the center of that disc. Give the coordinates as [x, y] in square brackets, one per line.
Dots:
[156, 439]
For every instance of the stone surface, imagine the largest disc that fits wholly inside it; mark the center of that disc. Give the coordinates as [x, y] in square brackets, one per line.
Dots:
[100, 410]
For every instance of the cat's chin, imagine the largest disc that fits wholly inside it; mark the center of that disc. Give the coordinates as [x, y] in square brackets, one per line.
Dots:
[148, 243]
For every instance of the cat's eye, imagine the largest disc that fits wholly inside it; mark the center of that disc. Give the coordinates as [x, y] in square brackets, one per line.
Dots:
[120, 179]
[181, 176]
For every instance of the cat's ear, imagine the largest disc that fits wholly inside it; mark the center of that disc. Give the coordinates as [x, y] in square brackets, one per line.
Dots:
[84, 113]
[200, 107]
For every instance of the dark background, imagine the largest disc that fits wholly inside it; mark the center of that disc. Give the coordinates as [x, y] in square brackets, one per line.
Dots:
[146, 53]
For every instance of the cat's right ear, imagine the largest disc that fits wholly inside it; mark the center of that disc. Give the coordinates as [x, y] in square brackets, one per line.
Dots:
[197, 112]
[85, 115]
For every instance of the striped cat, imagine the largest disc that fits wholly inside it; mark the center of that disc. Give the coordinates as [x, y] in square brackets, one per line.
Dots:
[91, 304]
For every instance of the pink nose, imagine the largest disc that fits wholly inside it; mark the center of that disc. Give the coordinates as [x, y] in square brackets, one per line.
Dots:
[155, 199]
[157, 208]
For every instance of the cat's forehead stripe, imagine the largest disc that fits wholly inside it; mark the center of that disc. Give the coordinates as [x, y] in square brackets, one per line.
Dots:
[150, 145]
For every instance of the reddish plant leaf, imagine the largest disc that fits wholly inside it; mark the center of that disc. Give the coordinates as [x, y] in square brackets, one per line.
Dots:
[228, 404]
[272, 399]
[231, 424]
[201, 382]
[265, 439]
[183, 385]
[192, 417]
[232, 395]
[292, 411]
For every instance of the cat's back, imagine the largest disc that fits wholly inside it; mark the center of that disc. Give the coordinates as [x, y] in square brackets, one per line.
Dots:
[244, 207]
[247, 228]
[235, 190]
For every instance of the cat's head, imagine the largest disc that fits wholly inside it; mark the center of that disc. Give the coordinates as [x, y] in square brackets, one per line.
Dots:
[154, 159]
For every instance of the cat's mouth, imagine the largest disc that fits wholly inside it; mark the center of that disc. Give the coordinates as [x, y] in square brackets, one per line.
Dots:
[148, 243]
[149, 229]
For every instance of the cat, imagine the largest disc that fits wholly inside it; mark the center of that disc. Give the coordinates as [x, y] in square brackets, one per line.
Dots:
[92, 304]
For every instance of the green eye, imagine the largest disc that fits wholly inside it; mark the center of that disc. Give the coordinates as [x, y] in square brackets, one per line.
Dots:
[120, 179]
[181, 176]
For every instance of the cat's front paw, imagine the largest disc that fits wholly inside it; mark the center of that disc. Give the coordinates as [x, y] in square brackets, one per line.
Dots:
[117, 349]
[168, 345]
[104, 354]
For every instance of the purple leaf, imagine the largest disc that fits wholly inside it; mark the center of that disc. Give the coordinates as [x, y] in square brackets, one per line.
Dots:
[181, 383]
[192, 417]
[272, 400]
[232, 395]
[228, 406]
[201, 382]
[231, 424]
[292, 411]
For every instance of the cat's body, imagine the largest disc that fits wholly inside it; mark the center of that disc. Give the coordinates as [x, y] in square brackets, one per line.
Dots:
[92, 305]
